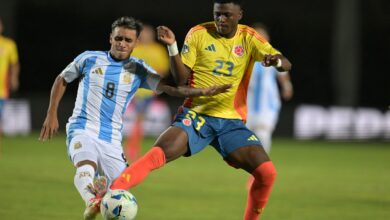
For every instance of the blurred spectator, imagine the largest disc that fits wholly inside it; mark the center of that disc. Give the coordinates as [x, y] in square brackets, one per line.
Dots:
[263, 96]
[155, 55]
[9, 68]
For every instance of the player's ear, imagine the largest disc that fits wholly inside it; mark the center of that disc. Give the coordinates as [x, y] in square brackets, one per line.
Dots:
[240, 14]
[137, 40]
[111, 38]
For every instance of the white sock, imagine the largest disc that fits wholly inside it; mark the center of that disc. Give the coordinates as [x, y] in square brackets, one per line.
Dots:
[84, 176]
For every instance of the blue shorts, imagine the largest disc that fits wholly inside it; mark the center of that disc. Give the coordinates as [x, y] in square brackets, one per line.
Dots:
[225, 135]
[2, 102]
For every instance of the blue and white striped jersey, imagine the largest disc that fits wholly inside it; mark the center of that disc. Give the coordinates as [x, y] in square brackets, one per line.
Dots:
[263, 92]
[105, 89]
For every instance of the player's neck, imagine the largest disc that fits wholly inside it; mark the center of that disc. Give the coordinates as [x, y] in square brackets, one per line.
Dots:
[116, 59]
[230, 35]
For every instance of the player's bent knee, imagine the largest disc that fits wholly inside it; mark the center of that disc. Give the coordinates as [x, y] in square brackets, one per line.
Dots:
[266, 173]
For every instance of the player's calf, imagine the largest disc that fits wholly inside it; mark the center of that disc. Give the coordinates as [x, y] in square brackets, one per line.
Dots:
[264, 177]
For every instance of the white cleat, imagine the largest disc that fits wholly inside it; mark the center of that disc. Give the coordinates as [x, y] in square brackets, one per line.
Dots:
[99, 188]
[92, 209]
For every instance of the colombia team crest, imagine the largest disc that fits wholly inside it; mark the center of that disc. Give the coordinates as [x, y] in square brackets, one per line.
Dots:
[238, 50]
[186, 122]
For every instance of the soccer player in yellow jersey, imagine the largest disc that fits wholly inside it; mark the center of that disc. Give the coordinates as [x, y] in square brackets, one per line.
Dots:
[216, 52]
[9, 67]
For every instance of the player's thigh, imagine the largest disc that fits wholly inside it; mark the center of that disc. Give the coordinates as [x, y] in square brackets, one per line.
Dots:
[240, 147]
[248, 157]
[173, 141]
[111, 161]
[82, 148]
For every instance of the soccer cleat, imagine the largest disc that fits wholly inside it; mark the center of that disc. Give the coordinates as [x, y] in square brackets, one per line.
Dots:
[92, 209]
[99, 186]
[99, 189]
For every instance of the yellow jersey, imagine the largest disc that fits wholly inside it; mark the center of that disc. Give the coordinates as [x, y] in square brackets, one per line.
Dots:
[8, 56]
[156, 56]
[215, 60]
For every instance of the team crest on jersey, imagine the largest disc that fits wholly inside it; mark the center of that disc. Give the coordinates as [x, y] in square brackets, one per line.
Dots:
[185, 49]
[126, 78]
[77, 145]
[186, 122]
[238, 50]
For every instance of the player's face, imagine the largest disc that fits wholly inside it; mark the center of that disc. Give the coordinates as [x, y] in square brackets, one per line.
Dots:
[226, 17]
[123, 41]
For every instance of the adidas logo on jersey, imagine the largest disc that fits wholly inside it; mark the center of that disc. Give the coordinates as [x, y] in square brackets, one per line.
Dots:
[98, 71]
[211, 47]
[253, 138]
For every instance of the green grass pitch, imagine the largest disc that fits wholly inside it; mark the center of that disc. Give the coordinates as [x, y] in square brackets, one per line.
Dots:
[317, 180]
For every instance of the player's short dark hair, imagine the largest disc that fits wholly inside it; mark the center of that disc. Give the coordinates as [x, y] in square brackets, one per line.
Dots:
[236, 2]
[128, 22]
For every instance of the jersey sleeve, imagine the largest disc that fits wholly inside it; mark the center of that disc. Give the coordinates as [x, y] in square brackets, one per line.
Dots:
[152, 79]
[188, 52]
[74, 69]
[261, 48]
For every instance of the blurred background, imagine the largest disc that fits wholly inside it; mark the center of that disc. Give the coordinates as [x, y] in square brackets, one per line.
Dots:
[339, 50]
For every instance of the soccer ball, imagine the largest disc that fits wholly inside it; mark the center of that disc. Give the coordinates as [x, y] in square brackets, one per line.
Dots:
[119, 204]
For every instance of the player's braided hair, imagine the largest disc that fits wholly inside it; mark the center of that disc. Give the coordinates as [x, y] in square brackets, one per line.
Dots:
[128, 22]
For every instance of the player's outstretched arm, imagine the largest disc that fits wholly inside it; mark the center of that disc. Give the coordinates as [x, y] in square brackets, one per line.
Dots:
[286, 86]
[280, 62]
[50, 125]
[179, 71]
[185, 91]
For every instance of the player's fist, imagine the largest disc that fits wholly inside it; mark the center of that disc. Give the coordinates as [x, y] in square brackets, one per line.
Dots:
[165, 35]
[270, 60]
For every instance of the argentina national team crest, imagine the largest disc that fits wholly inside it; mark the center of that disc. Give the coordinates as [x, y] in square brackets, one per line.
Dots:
[238, 50]
[126, 78]
[77, 145]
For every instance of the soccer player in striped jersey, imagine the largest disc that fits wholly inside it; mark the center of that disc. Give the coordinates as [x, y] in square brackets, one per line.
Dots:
[221, 51]
[107, 83]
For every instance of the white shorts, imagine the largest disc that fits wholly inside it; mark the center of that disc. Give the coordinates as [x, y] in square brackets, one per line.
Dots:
[265, 119]
[109, 158]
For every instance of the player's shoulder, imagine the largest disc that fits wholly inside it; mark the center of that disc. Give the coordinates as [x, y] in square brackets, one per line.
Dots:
[90, 54]
[202, 28]
[93, 53]
[7, 41]
[140, 65]
[249, 32]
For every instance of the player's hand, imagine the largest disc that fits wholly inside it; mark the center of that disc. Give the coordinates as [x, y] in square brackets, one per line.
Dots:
[215, 90]
[14, 84]
[270, 60]
[49, 128]
[165, 35]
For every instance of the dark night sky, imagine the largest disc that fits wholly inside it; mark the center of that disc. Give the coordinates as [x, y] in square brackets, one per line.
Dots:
[51, 33]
